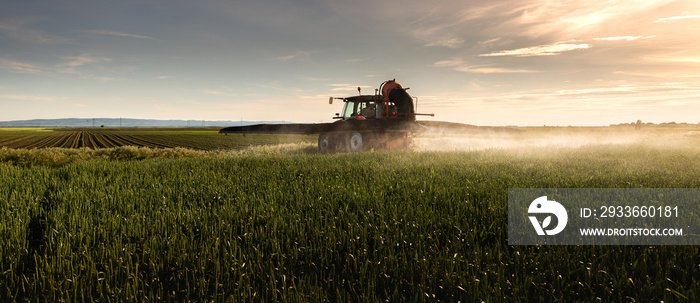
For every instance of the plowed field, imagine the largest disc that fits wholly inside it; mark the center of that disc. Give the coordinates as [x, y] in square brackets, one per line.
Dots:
[202, 139]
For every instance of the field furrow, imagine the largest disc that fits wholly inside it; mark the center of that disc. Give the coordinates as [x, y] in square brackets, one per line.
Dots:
[52, 142]
[89, 140]
[22, 142]
[71, 141]
[63, 141]
[6, 140]
[100, 141]
[41, 142]
[81, 140]
[114, 141]
[153, 137]
[138, 141]
[125, 140]
[159, 141]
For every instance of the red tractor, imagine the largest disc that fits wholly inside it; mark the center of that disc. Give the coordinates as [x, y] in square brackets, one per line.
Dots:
[379, 121]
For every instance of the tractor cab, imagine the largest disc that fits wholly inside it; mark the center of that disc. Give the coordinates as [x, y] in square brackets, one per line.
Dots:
[359, 108]
[368, 107]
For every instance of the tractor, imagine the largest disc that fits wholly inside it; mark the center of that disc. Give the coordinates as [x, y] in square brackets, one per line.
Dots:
[380, 121]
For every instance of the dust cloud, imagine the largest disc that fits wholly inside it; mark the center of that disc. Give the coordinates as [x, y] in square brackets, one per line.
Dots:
[557, 137]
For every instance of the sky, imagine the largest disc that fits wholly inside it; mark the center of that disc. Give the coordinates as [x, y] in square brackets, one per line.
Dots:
[482, 62]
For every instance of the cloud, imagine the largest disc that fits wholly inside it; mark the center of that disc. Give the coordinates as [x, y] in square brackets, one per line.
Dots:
[102, 78]
[73, 63]
[676, 18]
[627, 89]
[84, 60]
[601, 100]
[451, 42]
[346, 87]
[18, 29]
[19, 67]
[165, 77]
[461, 66]
[452, 23]
[628, 97]
[489, 41]
[539, 18]
[89, 67]
[29, 98]
[541, 50]
[214, 92]
[297, 54]
[627, 38]
[310, 78]
[120, 34]
[220, 93]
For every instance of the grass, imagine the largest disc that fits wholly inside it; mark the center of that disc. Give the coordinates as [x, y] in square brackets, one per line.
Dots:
[287, 224]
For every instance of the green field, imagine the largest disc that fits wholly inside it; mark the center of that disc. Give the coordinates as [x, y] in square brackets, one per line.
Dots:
[284, 223]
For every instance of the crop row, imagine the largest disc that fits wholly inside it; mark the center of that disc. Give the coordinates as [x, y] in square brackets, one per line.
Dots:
[59, 139]
[95, 139]
[81, 139]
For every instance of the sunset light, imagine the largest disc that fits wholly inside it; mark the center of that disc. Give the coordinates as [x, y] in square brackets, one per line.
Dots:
[501, 62]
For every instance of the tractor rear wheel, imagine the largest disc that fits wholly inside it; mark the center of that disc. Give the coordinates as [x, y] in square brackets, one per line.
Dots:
[354, 142]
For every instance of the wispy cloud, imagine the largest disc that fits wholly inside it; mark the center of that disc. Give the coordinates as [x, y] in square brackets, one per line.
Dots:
[72, 63]
[219, 93]
[676, 18]
[626, 89]
[542, 17]
[448, 42]
[19, 29]
[462, 66]
[627, 38]
[102, 78]
[295, 55]
[449, 23]
[213, 92]
[339, 87]
[84, 60]
[309, 78]
[489, 41]
[541, 50]
[165, 77]
[120, 34]
[19, 67]
[29, 98]
[90, 67]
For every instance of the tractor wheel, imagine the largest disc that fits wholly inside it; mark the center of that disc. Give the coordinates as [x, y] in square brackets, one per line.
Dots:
[354, 142]
[326, 144]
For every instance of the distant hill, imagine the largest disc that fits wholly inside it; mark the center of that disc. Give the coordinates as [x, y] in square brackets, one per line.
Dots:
[124, 122]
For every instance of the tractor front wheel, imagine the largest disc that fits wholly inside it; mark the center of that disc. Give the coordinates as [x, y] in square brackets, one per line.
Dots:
[326, 144]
